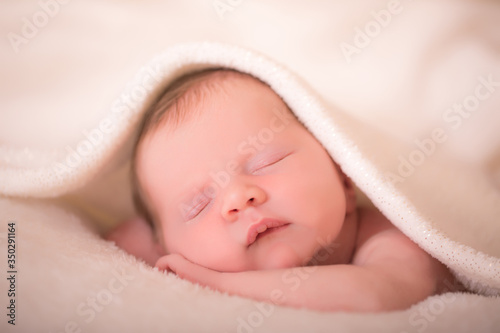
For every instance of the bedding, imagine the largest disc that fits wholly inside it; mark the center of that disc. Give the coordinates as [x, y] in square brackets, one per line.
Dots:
[410, 114]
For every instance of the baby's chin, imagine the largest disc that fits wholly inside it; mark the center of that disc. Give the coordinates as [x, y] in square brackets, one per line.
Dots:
[276, 256]
[279, 256]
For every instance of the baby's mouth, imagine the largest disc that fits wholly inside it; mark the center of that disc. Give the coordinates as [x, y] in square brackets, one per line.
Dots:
[263, 228]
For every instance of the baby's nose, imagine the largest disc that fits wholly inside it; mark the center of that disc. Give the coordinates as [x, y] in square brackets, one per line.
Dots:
[238, 198]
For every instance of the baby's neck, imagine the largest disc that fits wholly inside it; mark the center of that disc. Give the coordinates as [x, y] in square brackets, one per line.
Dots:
[341, 250]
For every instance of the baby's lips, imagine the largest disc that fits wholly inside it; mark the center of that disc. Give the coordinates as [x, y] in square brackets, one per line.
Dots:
[255, 229]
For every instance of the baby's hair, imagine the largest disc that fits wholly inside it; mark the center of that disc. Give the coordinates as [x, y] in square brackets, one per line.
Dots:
[172, 106]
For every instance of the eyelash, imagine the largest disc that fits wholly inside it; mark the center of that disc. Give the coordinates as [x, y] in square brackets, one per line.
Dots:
[198, 208]
[272, 162]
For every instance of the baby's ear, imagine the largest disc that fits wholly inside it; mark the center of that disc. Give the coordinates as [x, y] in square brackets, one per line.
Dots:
[136, 237]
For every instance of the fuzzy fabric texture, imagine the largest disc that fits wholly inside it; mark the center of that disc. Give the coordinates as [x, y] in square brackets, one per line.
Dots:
[432, 170]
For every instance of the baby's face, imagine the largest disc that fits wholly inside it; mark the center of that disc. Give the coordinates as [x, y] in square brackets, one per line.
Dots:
[242, 185]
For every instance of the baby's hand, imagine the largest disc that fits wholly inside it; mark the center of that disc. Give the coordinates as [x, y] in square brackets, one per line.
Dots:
[174, 263]
[188, 270]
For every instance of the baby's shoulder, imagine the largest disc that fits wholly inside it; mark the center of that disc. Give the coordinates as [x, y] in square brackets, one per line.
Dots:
[378, 240]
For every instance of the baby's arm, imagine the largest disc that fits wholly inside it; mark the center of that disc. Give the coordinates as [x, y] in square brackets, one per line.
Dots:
[388, 272]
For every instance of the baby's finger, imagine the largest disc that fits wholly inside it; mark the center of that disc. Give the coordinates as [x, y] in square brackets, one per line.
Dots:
[166, 263]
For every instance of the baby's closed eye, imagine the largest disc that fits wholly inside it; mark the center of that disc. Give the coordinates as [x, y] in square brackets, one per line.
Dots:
[259, 164]
[195, 207]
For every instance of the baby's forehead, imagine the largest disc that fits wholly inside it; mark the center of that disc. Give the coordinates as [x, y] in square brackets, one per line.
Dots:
[210, 88]
[185, 98]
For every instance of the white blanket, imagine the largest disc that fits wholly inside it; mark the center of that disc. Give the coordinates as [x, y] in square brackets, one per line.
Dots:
[409, 111]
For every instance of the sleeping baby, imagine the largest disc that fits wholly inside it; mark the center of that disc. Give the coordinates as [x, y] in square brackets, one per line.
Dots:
[241, 197]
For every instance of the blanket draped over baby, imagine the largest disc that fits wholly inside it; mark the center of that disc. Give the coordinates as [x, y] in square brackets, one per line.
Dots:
[424, 185]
